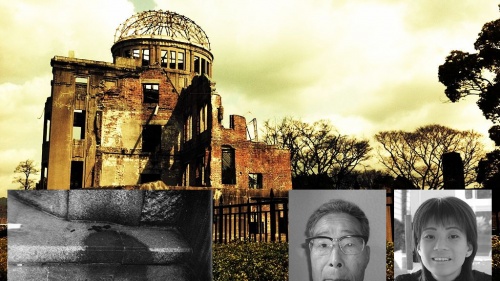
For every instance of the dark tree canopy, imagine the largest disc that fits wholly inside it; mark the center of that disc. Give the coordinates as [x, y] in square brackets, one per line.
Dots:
[465, 74]
[488, 172]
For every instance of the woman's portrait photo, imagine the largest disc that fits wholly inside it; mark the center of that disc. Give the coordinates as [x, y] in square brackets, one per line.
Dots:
[442, 235]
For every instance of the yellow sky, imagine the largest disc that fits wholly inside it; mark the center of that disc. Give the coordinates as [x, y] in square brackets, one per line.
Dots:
[367, 65]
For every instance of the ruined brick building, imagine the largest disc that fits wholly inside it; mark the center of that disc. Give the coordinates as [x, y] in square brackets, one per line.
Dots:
[152, 114]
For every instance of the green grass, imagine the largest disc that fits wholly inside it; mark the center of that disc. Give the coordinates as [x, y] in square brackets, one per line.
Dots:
[243, 260]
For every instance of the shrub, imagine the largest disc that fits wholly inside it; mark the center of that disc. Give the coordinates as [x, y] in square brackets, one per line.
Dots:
[495, 263]
[244, 260]
[389, 261]
[3, 258]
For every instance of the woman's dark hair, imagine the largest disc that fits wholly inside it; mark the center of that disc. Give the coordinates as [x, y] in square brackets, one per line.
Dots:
[445, 211]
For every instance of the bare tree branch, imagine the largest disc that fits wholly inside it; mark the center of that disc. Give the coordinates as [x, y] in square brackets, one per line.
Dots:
[417, 156]
[28, 169]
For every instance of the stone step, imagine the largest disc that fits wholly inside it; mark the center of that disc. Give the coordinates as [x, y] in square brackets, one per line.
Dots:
[44, 238]
[100, 272]
[127, 207]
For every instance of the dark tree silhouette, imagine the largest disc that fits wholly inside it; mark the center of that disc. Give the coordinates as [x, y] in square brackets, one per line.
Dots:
[488, 172]
[478, 74]
[417, 156]
[28, 169]
[320, 156]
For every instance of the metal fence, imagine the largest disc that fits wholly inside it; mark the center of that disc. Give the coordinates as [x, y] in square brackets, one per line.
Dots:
[263, 220]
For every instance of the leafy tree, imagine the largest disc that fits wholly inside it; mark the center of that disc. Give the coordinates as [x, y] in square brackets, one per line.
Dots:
[478, 74]
[318, 152]
[488, 173]
[27, 168]
[416, 156]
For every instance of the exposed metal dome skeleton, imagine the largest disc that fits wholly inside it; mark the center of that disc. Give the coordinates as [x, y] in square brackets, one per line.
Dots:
[162, 25]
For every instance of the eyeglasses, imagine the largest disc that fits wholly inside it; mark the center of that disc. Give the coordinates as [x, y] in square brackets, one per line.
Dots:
[349, 244]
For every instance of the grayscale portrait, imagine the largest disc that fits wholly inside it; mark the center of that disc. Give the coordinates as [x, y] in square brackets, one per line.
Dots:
[442, 235]
[109, 235]
[337, 235]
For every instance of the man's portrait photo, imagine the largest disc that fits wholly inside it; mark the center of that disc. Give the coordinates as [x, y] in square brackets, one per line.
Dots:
[337, 235]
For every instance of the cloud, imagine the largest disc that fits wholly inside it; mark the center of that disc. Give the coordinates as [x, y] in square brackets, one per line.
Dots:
[449, 14]
[39, 30]
[33, 33]
[372, 63]
[368, 65]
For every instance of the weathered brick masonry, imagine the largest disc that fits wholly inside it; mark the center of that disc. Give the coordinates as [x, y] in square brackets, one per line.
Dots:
[151, 115]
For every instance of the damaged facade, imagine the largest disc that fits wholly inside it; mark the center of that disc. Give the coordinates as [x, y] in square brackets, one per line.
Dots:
[153, 114]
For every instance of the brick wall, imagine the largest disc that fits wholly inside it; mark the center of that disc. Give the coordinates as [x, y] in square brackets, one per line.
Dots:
[123, 116]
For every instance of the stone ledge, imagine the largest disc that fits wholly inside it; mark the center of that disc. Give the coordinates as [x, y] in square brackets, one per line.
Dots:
[104, 272]
[43, 238]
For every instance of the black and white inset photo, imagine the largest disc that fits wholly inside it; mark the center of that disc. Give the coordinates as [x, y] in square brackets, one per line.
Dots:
[442, 234]
[109, 235]
[337, 235]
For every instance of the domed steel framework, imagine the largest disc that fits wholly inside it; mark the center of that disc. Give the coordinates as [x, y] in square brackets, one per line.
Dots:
[162, 25]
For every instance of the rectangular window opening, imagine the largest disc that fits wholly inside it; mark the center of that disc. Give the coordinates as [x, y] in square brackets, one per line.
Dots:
[151, 93]
[203, 62]
[136, 53]
[76, 178]
[203, 119]
[228, 165]
[164, 61]
[180, 61]
[79, 125]
[255, 181]
[186, 180]
[197, 64]
[47, 131]
[202, 169]
[200, 172]
[151, 138]
[172, 59]
[81, 80]
[80, 88]
[188, 130]
[205, 116]
[145, 178]
[145, 57]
